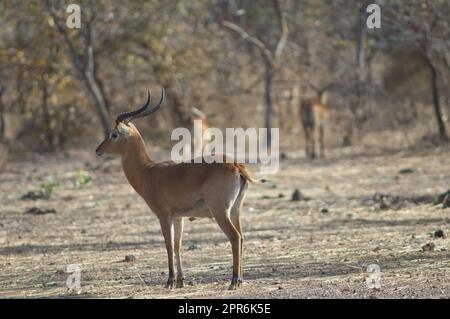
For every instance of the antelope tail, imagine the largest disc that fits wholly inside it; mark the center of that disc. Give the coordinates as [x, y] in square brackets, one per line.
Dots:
[246, 174]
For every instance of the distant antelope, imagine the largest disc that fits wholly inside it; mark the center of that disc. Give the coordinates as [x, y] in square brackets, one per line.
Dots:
[203, 136]
[313, 114]
[174, 191]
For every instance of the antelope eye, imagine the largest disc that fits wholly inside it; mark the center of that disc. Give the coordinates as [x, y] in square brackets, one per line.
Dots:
[113, 135]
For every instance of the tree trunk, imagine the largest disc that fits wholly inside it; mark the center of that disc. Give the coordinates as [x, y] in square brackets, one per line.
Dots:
[90, 75]
[437, 107]
[86, 66]
[2, 115]
[4, 148]
[47, 119]
[99, 100]
[101, 85]
[360, 68]
[269, 101]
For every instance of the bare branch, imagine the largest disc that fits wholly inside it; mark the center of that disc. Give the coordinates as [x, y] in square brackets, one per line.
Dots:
[253, 40]
[89, 40]
[268, 54]
[332, 81]
[73, 53]
[85, 64]
[284, 29]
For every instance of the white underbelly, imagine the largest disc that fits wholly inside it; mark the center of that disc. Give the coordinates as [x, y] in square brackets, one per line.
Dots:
[197, 210]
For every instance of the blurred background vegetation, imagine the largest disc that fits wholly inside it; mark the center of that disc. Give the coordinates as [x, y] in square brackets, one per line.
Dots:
[60, 88]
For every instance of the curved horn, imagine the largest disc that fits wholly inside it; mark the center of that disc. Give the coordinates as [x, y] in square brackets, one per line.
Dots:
[125, 115]
[148, 112]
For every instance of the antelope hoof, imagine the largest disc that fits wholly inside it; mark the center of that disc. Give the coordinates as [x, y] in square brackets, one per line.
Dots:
[235, 283]
[180, 282]
[232, 286]
[169, 283]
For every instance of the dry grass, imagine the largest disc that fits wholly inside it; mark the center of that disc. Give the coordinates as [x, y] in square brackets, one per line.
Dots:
[293, 250]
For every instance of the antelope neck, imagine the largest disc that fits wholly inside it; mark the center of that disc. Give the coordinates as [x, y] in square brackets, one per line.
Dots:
[134, 162]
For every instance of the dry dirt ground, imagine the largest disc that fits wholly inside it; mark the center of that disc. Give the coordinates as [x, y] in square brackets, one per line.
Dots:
[316, 248]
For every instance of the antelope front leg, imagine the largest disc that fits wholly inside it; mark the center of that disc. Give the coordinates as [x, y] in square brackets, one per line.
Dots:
[167, 230]
[307, 152]
[178, 226]
[313, 144]
[321, 138]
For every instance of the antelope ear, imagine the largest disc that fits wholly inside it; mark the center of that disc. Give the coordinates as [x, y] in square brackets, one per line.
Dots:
[124, 130]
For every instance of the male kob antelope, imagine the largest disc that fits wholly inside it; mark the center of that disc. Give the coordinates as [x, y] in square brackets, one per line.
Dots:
[313, 114]
[175, 191]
